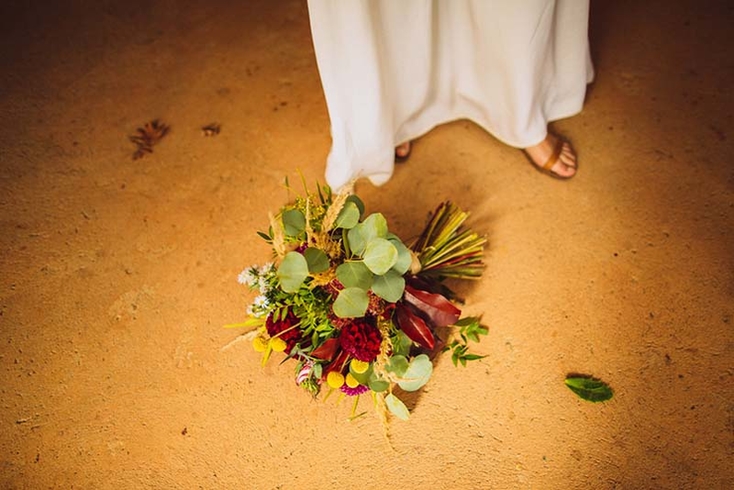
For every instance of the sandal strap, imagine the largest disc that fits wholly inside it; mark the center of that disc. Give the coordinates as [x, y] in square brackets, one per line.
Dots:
[554, 156]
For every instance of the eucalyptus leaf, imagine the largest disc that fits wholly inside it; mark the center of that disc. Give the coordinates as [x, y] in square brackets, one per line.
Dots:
[375, 226]
[316, 259]
[378, 385]
[418, 373]
[294, 222]
[589, 388]
[348, 216]
[397, 407]
[405, 258]
[293, 270]
[354, 275]
[363, 378]
[389, 287]
[401, 344]
[351, 303]
[353, 198]
[357, 239]
[380, 255]
[397, 365]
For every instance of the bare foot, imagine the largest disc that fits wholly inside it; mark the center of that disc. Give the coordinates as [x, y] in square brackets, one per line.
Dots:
[402, 151]
[565, 166]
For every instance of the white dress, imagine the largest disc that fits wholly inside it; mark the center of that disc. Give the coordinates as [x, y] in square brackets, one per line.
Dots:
[392, 70]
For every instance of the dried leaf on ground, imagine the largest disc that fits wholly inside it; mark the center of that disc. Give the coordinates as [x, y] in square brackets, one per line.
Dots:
[212, 129]
[147, 136]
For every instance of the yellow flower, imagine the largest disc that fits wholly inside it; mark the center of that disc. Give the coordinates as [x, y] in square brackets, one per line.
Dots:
[335, 380]
[259, 344]
[277, 344]
[352, 381]
[358, 366]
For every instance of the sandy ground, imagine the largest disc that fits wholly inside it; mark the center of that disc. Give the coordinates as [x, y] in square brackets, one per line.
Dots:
[116, 276]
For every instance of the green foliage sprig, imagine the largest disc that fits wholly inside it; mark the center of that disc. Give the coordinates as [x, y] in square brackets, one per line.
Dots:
[469, 330]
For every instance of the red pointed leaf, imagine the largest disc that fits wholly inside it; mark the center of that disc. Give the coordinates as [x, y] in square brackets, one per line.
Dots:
[337, 364]
[414, 327]
[326, 350]
[439, 310]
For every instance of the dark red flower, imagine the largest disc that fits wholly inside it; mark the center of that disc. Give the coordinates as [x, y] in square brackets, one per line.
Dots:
[361, 339]
[290, 334]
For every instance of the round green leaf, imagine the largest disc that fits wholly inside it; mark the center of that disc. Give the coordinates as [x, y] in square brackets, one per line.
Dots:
[389, 287]
[375, 226]
[401, 344]
[405, 258]
[397, 365]
[351, 303]
[357, 240]
[316, 259]
[353, 198]
[377, 384]
[380, 255]
[397, 407]
[294, 222]
[418, 373]
[354, 275]
[348, 216]
[293, 270]
[363, 378]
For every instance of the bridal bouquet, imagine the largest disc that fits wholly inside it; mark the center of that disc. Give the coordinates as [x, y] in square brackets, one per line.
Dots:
[355, 308]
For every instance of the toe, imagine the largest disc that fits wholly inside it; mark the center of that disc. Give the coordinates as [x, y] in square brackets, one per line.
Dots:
[568, 156]
[402, 150]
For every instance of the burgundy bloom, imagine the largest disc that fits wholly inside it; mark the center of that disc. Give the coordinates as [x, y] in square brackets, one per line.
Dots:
[361, 339]
[290, 335]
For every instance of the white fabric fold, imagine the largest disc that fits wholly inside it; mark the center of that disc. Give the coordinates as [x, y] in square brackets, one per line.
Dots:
[392, 70]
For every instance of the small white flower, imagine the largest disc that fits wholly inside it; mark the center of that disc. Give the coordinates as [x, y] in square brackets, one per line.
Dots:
[266, 269]
[260, 302]
[248, 277]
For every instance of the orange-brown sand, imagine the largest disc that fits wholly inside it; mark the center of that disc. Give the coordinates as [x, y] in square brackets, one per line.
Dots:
[117, 275]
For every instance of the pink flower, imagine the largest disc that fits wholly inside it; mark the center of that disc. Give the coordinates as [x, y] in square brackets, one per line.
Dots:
[357, 390]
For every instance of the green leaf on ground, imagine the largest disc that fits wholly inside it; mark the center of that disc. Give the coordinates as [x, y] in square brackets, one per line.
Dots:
[589, 388]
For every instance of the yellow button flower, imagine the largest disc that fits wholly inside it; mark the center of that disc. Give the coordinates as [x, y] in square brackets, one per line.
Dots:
[335, 380]
[259, 344]
[352, 381]
[358, 366]
[277, 344]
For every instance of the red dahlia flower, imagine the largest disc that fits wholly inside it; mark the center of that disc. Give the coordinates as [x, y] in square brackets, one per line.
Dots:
[285, 327]
[361, 339]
